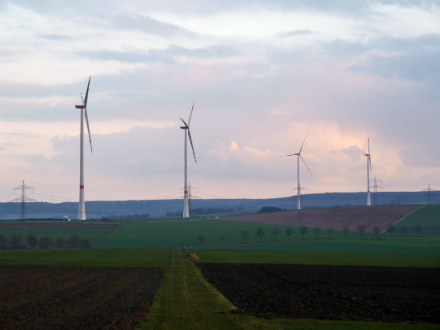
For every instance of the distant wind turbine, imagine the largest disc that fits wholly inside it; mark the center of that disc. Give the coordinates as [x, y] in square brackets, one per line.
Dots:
[187, 132]
[368, 173]
[83, 107]
[297, 164]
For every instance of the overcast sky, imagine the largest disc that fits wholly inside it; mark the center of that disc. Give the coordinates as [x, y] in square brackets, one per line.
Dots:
[262, 74]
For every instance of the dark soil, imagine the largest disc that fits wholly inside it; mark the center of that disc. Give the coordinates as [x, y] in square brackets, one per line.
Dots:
[382, 216]
[61, 298]
[386, 294]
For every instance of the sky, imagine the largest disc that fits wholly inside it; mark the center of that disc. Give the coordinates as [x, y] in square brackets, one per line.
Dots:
[262, 74]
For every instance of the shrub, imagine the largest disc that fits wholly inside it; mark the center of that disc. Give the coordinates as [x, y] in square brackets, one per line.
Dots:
[60, 243]
[289, 232]
[260, 233]
[303, 230]
[15, 242]
[45, 243]
[32, 241]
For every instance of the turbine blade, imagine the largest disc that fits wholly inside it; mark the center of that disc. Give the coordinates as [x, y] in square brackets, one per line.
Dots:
[369, 160]
[305, 164]
[87, 92]
[291, 155]
[88, 129]
[186, 125]
[368, 145]
[189, 121]
[303, 142]
[192, 147]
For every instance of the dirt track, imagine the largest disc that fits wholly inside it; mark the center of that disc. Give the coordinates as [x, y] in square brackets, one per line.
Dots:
[62, 298]
[386, 294]
[382, 216]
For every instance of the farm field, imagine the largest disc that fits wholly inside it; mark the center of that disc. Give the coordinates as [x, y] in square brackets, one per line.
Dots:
[317, 258]
[426, 217]
[83, 258]
[382, 216]
[382, 294]
[59, 298]
[413, 245]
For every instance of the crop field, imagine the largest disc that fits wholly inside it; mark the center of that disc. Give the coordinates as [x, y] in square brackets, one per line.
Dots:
[87, 258]
[317, 258]
[413, 245]
[426, 217]
[59, 298]
[382, 216]
[382, 294]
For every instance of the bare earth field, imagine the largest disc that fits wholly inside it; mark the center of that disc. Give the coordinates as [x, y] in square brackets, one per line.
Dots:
[383, 294]
[382, 216]
[62, 298]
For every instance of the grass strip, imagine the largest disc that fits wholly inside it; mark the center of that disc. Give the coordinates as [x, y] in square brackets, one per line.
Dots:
[186, 301]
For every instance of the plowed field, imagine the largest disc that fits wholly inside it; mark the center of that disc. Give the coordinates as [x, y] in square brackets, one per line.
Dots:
[384, 294]
[61, 298]
[382, 216]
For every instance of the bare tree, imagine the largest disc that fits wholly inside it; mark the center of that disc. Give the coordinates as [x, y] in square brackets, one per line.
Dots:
[15, 242]
[345, 230]
[45, 243]
[317, 230]
[275, 232]
[330, 230]
[289, 232]
[260, 233]
[201, 239]
[303, 230]
[404, 229]
[60, 243]
[74, 242]
[223, 238]
[418, 229]
[244, 233]
[376, 230]
[86, 244]
[391, 229]
[3, 242]
[361, 229]
[32, 241]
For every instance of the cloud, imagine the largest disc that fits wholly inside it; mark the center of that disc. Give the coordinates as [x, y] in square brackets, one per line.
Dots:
[55, 37]
[150, 25]
[354, 152]
[295, 33]
[167, 55]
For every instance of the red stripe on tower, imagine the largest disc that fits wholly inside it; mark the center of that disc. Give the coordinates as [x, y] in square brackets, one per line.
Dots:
[186, 192]
[81, 187]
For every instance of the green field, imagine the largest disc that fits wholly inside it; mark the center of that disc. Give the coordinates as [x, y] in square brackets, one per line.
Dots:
[426, 217]
[316, 258]
[84, 258]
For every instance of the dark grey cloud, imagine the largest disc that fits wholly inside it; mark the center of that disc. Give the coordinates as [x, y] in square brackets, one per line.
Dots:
[167, 55]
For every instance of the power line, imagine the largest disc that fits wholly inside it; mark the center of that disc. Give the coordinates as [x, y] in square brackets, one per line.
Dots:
[23, 199]
[429, 193]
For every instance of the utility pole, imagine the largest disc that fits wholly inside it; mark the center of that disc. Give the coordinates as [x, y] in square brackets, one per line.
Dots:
[23, 199]
[429, 193]
[375, 187]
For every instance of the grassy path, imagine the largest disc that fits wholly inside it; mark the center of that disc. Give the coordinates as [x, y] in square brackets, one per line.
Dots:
[186, 301]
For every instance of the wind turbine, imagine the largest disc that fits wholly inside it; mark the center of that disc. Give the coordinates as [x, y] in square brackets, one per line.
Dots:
[83, 107]
[368, 173]
[298, 154]
[187, 132]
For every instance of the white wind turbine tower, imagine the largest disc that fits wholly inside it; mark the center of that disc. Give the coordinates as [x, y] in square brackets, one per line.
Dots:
[297, 164]
[83, 107]
[187, 132]
[368, 173]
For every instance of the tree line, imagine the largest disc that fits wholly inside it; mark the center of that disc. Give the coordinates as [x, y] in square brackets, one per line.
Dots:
[32, 242]
[208, 210]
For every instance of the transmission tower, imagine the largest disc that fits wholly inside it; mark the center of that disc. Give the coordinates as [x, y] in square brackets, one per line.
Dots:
[23, 199]
[190, 195]
[429, 193]
[375, 189]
